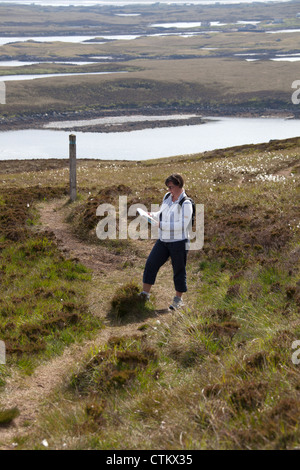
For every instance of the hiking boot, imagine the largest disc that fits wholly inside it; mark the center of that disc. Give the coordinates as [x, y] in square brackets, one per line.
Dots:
[144, 296]
[176, 304]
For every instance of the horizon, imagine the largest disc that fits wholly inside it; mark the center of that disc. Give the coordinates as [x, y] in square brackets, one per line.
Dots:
[119, 3]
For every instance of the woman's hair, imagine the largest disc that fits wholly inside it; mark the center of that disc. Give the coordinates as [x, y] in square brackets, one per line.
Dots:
[176, 179]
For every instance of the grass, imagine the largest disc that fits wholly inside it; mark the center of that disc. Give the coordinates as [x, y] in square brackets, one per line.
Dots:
[217, 375]
[8, 415]
[49, 68]
[164, 72]
[174, 84]
[38, 20]
[126, 300]
[42, 307]
[116, 366]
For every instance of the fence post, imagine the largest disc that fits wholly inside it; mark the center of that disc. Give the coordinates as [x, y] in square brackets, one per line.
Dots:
[72, 162]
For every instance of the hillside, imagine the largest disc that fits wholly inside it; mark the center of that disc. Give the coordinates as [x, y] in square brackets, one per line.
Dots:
[90, 367]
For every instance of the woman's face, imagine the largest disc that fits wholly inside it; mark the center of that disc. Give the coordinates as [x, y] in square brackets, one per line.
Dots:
[174, 190]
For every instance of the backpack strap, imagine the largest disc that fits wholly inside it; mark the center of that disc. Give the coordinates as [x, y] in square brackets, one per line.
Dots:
[187, 198]
[183, 200]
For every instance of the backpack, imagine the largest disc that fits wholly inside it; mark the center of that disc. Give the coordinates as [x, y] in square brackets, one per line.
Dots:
[186, 198]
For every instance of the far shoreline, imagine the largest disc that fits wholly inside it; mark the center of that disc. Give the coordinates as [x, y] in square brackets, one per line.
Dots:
[37, 122]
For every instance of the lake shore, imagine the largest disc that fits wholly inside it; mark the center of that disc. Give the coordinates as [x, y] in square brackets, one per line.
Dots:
[41, 120]
[146, 144]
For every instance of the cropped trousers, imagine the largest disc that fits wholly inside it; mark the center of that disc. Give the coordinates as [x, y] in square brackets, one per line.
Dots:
[158, 256]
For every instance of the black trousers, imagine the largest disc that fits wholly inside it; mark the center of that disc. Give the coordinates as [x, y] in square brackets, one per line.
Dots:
[159, 254]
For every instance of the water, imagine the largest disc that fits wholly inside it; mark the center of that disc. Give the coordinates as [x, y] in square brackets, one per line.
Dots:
[176, 25]
[21, 63]
[143, 144]
[254, 56]
[284, 31]
[74, 39]
[102, 38]
[286, 59]
[148, 143]
[195, 24]
[93, 39]
[10, 78]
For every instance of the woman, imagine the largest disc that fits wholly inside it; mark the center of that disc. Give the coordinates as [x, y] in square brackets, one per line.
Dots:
[173, 218]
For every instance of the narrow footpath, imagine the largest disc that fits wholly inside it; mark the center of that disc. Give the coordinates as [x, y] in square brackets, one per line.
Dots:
[30, 393]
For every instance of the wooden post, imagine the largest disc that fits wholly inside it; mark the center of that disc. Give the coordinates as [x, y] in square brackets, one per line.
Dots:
[72, 162]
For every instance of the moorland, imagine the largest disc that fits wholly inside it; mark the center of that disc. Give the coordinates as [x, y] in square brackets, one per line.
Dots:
[91, 367]
[88, 366]
[222, 66]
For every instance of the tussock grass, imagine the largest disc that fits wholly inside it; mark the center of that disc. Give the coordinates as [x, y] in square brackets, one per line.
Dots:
[84, 215]
[127, 304]
[8, 415]
[115, 366]
[42, 300]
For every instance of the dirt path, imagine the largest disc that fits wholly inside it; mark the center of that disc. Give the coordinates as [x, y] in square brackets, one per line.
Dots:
[94, 257]
[29, 393]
